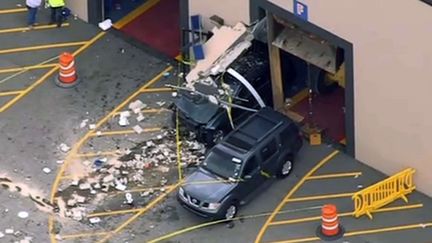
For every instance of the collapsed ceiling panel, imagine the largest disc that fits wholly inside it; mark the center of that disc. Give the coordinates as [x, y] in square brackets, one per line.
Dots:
[308, 47]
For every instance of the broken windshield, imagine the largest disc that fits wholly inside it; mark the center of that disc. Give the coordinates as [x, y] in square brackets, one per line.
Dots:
[221, 164]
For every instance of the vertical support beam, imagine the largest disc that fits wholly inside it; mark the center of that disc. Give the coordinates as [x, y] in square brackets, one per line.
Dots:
[275, 65]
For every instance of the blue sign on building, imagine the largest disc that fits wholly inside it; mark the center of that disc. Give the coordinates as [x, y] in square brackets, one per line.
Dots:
[301, 10]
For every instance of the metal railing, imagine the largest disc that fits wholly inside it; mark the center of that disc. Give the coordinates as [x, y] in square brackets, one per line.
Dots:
[384, 192]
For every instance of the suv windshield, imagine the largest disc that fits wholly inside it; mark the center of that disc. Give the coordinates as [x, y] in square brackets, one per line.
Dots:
[222, 164]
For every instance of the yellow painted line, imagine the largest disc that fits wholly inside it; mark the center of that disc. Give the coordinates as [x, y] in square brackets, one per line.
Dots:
[123, 132]
[67, 177]
[200, 226]
[319, 197]
[115, 212]
[299, 97]
[309, 219]
[19, 69]
[13, 10]
[139, 213]
[63, 167]
[48, 74]
[39, 27]
[155, 90]
[74, 236]
[79, 144]
[42, 47]
[106, 153]
[145, 189]
[26, 91]
[148, 111]
[10, 93]
[293, 190]
[335, 175]
[135, 13]
[363, 232]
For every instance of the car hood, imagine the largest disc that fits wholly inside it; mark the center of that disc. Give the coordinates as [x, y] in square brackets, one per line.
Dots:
[207, 187]
[200, 112]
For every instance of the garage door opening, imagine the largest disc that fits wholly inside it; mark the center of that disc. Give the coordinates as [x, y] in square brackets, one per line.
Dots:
[312, 75]
[153, 24]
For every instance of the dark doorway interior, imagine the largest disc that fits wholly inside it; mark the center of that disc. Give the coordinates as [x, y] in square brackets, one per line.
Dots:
[158, 27]
[117, 9]
[333, 111]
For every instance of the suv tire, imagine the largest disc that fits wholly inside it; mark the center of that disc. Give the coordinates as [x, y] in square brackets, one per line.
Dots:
[230, 211]
[285, 167]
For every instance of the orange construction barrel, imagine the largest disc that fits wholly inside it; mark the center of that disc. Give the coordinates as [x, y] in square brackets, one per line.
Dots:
[330, 229]
[67, 76]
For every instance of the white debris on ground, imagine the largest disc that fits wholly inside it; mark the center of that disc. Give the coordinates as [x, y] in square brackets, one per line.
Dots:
[64, 147]
[123, 120]
[150, 164]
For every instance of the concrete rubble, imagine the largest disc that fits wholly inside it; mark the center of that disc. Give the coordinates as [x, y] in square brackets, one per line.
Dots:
[152, 163]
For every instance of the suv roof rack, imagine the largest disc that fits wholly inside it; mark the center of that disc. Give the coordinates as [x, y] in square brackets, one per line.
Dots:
[253, 130]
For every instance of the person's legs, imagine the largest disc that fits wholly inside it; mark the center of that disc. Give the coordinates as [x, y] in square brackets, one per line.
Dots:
[59, 16]
[53, 15]
[31, 16]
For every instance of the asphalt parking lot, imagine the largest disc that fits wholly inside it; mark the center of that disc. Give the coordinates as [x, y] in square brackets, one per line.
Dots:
[36, 117]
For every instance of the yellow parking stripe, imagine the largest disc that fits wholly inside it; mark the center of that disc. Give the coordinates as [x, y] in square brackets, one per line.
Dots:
[27, 68]
[335, 175]
[39, 27]
[14, 10]
[78, 145]
[148, 111]
[62, 168]
[327, 196]
[146, 189]
[123, 132]
[87, 155]
[115, 212]
[10, 93]
[134, 14]
[155, 90]
[293, 190]
[363, 232]
[74, 236]
[42, 47]
[139, 213]
[309, 219]
[299, 97]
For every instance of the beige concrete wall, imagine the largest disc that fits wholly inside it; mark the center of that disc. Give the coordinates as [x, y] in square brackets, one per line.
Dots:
[231, 11]
[79, 7]
[392, 70]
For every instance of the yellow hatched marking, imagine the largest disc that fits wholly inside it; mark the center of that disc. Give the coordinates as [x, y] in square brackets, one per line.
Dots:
[42, 47]
[319, 197]
[336, 175]
[10, 93]
[27, 68]
[23, 29]
[13, 10]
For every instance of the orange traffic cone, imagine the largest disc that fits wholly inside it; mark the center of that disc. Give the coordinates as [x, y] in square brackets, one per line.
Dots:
[330, 229]
[67, 76]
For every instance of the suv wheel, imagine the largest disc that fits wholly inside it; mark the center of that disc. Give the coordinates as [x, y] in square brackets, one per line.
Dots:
[285, 167]
[231, 211]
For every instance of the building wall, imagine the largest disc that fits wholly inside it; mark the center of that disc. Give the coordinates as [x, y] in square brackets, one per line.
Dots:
[392, 70]
[232, 11]
[79, 7]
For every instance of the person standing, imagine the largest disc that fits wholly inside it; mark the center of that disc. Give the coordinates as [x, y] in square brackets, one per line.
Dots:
[32, 6]
[56, 11]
